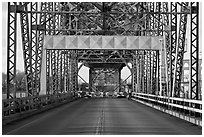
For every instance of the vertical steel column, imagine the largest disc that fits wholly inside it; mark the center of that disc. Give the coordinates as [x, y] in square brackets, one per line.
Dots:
[134, 71]
[49, 22]
[162, 65]
[154, 72]
[67, 72]
[27, 49]
[58, 70]
[11, 50]
[74, 71]
[180, 51]
[64, 72]
[140, 84]
[119, 79]
[145, 71]
[90, 79]
[70, 71]
[167, 42]
[157, 71]
[151, 71]
[142, 70]
[195, 92]
[158, 23]
[33, 40]
[41, 26]
[152, 21]
[56, 18]
[62, 18]
[159, 32]
[148, 71]
[173, 27]
[61, 71]
[53, 63]
[48, 71]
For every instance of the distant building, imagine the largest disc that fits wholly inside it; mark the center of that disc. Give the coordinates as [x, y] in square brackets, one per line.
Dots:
[186, 76]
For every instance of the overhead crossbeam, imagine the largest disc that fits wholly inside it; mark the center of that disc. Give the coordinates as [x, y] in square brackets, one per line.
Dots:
[102, 42]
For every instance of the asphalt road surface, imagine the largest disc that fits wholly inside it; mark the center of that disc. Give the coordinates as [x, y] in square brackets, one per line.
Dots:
[105, 116]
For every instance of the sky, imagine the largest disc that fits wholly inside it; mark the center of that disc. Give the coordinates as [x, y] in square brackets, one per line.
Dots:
[84, 70]
[20, 64]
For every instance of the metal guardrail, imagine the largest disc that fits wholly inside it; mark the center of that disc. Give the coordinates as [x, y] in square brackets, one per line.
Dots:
[187, 106]
[25, 104]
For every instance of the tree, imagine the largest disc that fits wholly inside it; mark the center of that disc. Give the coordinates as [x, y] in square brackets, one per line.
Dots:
[20, 81]
[4, 82]
[84, 86]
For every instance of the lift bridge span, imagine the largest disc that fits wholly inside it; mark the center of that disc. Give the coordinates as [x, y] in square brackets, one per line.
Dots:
[58, 38]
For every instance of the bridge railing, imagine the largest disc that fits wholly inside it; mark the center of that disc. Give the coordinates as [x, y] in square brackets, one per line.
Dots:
[185, 106]
[26, 104]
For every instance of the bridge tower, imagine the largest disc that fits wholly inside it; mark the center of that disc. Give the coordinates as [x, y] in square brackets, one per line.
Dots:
[156, 72]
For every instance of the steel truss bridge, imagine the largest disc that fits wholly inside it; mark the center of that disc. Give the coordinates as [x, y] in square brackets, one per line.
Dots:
[104, 36]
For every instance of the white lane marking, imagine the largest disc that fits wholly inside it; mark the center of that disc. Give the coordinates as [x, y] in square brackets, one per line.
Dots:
[98, 126]
[101, 120]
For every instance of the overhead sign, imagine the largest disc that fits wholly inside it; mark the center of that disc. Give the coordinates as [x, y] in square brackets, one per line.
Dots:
[102, 42]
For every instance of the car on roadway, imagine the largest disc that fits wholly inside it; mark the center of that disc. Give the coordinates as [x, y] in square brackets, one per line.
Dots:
[121, 95]
[87, 95]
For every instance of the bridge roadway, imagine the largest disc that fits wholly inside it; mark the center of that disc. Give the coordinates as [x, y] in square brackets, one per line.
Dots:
[101, 116]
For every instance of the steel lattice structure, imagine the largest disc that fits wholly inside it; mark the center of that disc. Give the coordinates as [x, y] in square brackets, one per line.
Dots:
[165, 19]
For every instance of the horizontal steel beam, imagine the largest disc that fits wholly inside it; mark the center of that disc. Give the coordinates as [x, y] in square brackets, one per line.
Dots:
[112, 12]
[103, 42]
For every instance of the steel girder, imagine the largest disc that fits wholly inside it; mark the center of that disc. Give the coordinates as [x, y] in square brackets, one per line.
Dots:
[146, 72]
[180, 52]
[62, 72]
[57, 66]
[74, 71]
[34, 47]
[126, 21]
[149, 71]
[90, 79]
[155, 71]
[134, 71]
[138, 60]
[54, 72]
[67, 72]
[119, 79]
[121, 19]
[48, 77]
[158, 18]
[167, 46]
[70, 71]
[58, 71]
[145, 76]
[39, 46]
[151, 19]
[195, 92]
[11, 50]
[173, 19]
[27, 49]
